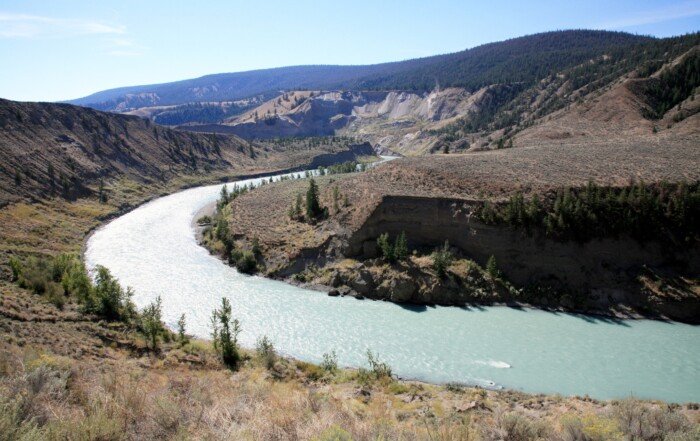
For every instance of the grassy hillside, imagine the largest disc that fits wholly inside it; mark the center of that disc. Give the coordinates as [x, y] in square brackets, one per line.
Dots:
[59, 149]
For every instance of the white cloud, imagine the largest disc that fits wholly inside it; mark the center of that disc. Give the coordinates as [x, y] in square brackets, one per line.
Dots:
[34, 26]
[681, 10]
[114, 38]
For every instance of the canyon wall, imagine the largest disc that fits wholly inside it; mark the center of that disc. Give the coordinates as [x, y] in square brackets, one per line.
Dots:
[605, 270]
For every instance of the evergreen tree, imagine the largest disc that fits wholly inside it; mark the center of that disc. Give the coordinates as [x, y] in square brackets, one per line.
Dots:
[181, 333]
[336, 197]
[385, 248]
[225, 335]
[401, 247]
[52, 178]
[313, 206]
[151, 322]
[492, 267]
[442, 259]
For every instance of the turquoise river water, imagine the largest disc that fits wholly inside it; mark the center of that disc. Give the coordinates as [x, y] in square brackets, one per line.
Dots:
[153, 250]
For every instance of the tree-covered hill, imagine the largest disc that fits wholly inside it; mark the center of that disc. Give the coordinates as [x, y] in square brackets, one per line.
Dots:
[520, 59]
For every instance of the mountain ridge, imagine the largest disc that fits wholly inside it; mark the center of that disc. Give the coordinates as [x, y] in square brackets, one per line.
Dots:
[248, 83]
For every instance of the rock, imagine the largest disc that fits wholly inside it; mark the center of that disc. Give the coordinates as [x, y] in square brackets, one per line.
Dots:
[472, 405]
[362, 283]
[278, 370]
[335, 280]
[401, 290]
[369, 249]
[364, 394]
[334, 292]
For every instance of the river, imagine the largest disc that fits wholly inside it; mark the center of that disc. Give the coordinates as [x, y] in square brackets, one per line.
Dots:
[153, 250]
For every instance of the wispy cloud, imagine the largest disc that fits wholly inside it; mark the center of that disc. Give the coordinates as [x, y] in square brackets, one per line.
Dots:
[35, 26]
[113, 38]
[674, 12]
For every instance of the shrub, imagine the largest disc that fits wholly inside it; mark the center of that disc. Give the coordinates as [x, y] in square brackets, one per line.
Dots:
[640, 421]
[330, 362]
[15, 267]
[379, 369]
[111, 301]
[245, 262]
[151, 323]
[255, 246]
[266, 351]
[56, 278]
[55, 294]
[333, 433]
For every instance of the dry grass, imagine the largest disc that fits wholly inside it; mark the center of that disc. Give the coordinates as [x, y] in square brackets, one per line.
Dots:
[51, 397]
[481, 175]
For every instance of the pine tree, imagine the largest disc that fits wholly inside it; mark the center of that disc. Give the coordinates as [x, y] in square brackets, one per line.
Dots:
[492, 267]
[401, 247]
[181, 335]
[385, 248]
[313, 206]
[52, 179]
[151, 322]
[336, 198]
[225, 334]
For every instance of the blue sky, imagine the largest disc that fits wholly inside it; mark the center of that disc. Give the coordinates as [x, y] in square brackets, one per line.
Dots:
[61, 49]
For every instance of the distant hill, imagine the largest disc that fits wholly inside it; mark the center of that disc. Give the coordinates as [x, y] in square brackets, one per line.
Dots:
[645, 89]
[60, 149]
[523, 59]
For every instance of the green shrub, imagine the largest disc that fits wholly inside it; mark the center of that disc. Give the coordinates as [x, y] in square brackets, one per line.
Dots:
[330, 362]
[151, 322]
[333, 433]
[16, 267]
[245, 262]
[266, 351]
[379, 369]
[111, 301]
[55, 294]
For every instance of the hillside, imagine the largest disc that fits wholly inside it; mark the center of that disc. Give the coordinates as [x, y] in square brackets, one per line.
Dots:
[49, 150]
[647, 89]
[524, 59]
[631, 271]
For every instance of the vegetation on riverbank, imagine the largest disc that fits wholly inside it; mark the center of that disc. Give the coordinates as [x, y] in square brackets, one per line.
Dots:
[663, 212]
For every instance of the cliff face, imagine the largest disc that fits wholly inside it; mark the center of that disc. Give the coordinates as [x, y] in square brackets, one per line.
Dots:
[605, 271]
[387, 119]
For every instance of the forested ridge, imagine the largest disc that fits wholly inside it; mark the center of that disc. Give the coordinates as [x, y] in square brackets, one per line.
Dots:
[524, 59]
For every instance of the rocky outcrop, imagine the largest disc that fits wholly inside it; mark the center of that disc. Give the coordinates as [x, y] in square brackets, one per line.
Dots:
[605, 271]
[381, 116]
